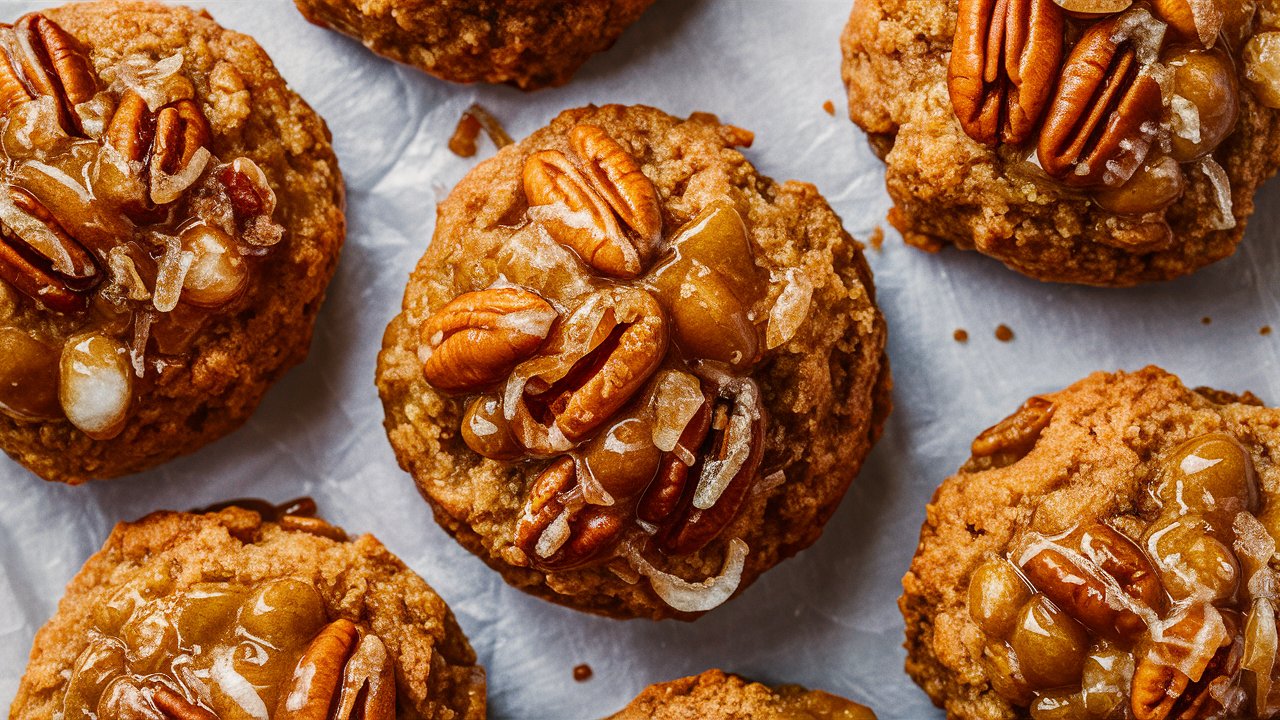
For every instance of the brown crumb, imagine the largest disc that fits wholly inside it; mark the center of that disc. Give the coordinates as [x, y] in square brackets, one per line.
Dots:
[473, 120]
[961, 335]
[829, 107]
[877, 239]
[1004, 333]
[463, 142]
[1265, 330]
[1206, 320]
[582, 673]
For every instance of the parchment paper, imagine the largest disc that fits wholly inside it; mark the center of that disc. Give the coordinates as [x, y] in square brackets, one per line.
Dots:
[826, 618]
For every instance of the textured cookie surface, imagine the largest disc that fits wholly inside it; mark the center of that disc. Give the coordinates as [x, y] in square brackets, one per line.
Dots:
[159, 584]
[714, 695]
[949, 189]
[527, 43]
[803, 372]
[206, 286]
[1107, 549]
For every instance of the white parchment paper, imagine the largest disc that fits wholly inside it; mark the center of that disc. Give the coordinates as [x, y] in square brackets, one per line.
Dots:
[826, 618]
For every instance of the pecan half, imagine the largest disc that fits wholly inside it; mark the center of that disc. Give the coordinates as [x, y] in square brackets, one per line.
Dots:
[478, 337]
[51, 62]
[40, 259]
[726, 466]
[344, 674]
[1009, 440]
[1004, 62]
[1105, 114]
[165, 141]
[600, 357]
[175, 707]
[1210, 651]
[558, 530]
[614, 174]
[1085, 574]
[589, 209]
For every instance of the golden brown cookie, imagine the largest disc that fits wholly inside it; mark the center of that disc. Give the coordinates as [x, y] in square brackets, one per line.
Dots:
[1116, 144]
[714, 695]
[526, 43]
[249, 613]
[170, 215]
[1108, 551]
[631, 373]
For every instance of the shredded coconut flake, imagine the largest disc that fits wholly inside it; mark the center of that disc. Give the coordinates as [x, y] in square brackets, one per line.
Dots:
[1221, 193]
[685, 596]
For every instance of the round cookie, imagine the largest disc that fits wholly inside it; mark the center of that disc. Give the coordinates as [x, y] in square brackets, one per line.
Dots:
[1033, 171]
[526, 43]
[244, 613]
[713, 695]
[1106, 551]
[170, 216]
[631, 374]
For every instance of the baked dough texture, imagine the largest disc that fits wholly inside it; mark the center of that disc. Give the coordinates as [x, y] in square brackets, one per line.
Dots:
[950, 190]
[825, 390]
[715, 695]
[527, 43]
[437, 677]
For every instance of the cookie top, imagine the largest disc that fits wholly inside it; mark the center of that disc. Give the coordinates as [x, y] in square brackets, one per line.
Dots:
[170, 214]
[714, 695]
[1110, 547]
[631, 373]
[1118, 144]
[239, 614]
[526, 43]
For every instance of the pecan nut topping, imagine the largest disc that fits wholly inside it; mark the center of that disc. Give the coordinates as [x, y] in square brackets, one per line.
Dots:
[601, 357]
[1104, 117]
[344, 674]
[48, 62]
[477, 338]
[40, 259]
[175, 707]
[588, 210]
[1180, 677]
[558, 529]
[165, 142]
[1003, 66]
[1011, 439]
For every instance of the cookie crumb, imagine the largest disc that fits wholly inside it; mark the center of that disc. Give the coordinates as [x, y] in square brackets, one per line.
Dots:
[877, 239]
[1206, 320]
[582, 673]
[961, 335]
[829, 107]
[463, 142]
[474, 119]
[1004, 333]
[1264, 330]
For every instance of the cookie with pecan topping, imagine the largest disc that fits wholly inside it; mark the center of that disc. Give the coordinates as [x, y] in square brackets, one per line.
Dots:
[631, 373]
[249, 610]
[715, 695]
[526, 43]
[1107, 551]
[1103, 142]
[170, 215]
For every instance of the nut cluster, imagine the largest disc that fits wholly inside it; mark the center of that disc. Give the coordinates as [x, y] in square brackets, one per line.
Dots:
[613, 360]
[224, 650]
[121, 235]
[1114, 97]
[1168, 613]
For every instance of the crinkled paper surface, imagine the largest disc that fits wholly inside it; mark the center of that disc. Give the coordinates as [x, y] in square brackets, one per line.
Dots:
[826, 618]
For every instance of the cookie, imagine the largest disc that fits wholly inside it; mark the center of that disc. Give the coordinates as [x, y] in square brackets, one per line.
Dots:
[246, 612]
[526, 43]
[170, 215]
[713, 695]
[1107, 143]
[631, 373]
[1106, 551]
